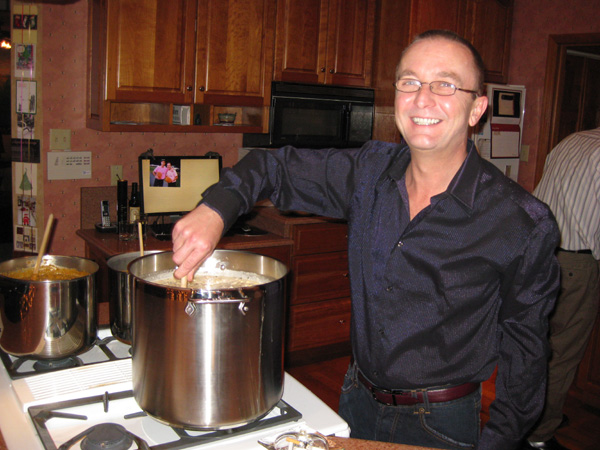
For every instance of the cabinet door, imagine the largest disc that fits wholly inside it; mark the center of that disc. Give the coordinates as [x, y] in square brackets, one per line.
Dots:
[436, 14]
[325, 41]
[488, 27]
[300, 43]
[235, 42]
[150, 50]
[350, 35]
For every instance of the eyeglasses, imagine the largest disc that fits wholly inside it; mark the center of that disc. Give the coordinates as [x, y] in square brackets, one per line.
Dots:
[437, 87]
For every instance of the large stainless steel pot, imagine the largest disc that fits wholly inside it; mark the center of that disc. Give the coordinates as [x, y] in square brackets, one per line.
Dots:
[47, 319]
[208, 359]
[121, 293]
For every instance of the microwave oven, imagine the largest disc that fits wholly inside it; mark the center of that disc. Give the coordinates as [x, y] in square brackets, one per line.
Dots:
[316, 116]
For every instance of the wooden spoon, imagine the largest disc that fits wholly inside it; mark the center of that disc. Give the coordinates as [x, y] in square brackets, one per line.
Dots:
[141, 237]
[43, 246]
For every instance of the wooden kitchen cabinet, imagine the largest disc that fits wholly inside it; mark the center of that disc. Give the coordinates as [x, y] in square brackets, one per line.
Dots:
[488, 27]
[325, 41]
[234, 50]
[320, 293]
[147, 56]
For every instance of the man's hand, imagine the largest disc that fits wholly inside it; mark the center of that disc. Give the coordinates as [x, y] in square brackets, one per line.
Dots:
[195, 236]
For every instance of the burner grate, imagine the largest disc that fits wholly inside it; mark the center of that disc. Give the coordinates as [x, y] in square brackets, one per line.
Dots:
[19, 367]
[41, 414]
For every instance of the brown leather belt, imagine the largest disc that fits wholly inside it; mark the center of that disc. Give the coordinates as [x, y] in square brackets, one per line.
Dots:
[412, 397]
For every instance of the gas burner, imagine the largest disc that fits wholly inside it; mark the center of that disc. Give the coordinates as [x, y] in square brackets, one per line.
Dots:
[49, 365]
[105, 436]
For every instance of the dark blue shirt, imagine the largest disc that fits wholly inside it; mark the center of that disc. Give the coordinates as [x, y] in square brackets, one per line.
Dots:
[466, 285]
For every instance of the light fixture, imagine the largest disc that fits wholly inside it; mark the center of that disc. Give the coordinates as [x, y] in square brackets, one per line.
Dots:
[5, 44]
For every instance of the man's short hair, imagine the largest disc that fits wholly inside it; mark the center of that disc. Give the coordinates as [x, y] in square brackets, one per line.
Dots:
[453, 37]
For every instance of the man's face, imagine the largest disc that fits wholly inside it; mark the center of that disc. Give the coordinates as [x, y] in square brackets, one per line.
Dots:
[168, 165]
[430, 122]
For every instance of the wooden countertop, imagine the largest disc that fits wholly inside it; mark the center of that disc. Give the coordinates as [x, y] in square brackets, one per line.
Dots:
[109, 244]
[359, 444]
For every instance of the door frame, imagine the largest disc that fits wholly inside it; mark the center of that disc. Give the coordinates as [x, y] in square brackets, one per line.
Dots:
[553, 91]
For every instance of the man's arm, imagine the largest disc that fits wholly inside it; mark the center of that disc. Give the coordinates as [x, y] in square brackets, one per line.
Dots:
[529, 292]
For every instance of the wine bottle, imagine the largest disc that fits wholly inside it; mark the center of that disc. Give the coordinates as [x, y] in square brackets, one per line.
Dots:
[134, 204]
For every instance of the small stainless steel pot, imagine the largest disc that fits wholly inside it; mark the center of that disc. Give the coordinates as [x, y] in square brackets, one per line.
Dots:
[208, 359]
[47, 319]
[121, 293]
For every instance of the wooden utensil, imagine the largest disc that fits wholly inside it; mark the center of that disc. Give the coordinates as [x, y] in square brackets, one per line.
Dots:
[141, 237]
[43, 246]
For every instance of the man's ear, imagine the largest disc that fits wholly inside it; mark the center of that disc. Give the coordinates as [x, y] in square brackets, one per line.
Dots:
[478, 109]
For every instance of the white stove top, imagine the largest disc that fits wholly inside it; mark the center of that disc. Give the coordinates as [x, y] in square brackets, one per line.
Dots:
[16, 396]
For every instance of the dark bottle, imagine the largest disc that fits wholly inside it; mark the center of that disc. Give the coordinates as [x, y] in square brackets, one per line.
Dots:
[134, 204]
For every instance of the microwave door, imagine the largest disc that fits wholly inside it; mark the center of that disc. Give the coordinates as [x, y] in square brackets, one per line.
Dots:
[311, 123]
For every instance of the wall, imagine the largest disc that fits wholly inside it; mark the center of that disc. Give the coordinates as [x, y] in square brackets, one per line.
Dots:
[64, 41]
[533, 22]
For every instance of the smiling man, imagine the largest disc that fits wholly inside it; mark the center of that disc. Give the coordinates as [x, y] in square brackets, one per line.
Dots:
[452, 265]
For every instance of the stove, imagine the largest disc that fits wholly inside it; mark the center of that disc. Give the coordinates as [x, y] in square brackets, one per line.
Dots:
[73, 405]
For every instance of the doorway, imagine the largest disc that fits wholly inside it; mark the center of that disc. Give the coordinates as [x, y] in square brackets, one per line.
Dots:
[571, 90]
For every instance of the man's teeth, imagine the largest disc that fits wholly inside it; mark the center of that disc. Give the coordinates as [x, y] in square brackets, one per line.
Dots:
[423, 121]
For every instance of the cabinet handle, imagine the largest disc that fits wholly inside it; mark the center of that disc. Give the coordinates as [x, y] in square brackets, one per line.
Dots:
[330, 70]
[345, 275]
[201, 88]
[342, 321]
[188, 88]
[322, 69]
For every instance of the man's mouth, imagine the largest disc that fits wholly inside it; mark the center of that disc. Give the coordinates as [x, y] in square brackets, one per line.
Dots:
[424, 121]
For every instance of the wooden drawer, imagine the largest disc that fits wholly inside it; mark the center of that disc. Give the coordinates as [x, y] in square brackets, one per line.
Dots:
[320, 277]
[319, 324]
[320, 238]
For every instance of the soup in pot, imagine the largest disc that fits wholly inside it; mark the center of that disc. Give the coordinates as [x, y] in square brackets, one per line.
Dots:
[47, 272]
[224, 279]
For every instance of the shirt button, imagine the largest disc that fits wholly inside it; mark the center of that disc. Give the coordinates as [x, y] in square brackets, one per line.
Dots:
[389, 288]
[375, 373]
[380, 331]
[400, 243]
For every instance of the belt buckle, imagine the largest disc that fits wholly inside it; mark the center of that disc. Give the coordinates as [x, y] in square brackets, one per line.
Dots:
[390, 392]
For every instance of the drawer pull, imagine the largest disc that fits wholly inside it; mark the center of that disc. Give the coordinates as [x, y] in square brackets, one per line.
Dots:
[342, 321]
[346, 275]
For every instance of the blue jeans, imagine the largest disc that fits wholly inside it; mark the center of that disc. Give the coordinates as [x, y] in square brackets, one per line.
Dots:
[446, 425]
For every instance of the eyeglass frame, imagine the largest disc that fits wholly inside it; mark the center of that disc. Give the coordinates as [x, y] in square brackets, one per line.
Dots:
[421, 83]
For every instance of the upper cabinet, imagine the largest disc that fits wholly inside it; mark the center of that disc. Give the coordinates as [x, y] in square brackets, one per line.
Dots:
[488, 26]
[174, 66]
[325, 41]
[234, 51]
[150, 50]
[211, 57]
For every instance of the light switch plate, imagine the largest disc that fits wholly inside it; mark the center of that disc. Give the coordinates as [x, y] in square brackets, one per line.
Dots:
[60, 139]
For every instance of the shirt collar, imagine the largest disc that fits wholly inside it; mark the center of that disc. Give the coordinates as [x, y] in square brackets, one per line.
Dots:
[463, 186]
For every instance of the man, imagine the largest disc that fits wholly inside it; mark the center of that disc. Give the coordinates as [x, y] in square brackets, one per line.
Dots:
[570, 185]
[171, 176]
[451, 263]
[160, 172]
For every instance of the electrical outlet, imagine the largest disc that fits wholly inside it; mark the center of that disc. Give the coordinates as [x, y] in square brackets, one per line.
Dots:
[116, 174]
[60, 139]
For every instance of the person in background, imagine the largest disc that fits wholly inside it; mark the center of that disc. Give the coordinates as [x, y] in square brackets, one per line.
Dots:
[171, 176]
[452, 265]
[570, 185]
[160, 173]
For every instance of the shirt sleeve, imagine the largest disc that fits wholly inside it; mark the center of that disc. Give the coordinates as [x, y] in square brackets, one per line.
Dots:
[529, 293]
[310, 180]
